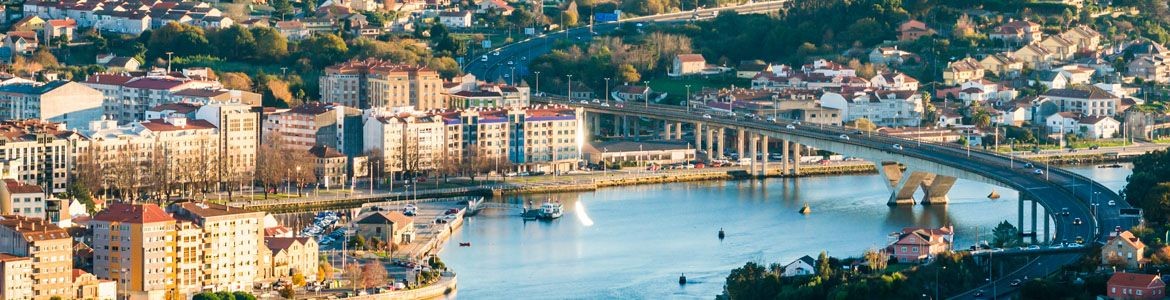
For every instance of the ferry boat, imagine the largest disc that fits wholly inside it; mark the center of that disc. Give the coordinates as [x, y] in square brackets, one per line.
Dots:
[551, 210]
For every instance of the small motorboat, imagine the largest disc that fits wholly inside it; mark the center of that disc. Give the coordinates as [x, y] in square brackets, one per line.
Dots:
[1109, 166]
[464, 244]
[682, 279]
[993, 195]
[805, 210]
[721, 233]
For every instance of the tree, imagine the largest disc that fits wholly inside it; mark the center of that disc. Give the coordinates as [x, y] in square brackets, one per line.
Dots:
[358, 242]
[627, 73]
[205, 296]
[288, 292]
[45, 58]
[877, 259]
[236, 81]
[277, 90]
[570, 16]
[824, 269]
[864, 124]
[373, 274]
[323, 49]
[1148, 187]
[225, 295]
[298, 279]
[324, 270]
[752, 281]
[270, 45]
[181, 39]
[1005, 235]
[235, 42]
[241, 295]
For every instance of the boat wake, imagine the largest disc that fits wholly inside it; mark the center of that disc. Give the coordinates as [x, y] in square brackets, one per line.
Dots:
[582, 215]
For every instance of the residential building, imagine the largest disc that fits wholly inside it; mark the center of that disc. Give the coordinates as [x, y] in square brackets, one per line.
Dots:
[134, 245]
[16, 281]
[1019, 32]
[911, 30]
[390, 226]
[408, 141]
[500, 5]
[687, 64]
[915, 244]
[238, 129]
[48, 246]
[455, 19]
[1034, 56]
[883, 108]
[896, 81]
[963, 70]
[470, 93]
[128, 97]
[1086, 100]
[1134, 286]
[22, 42]
[376, 83]
[292, 255]
[1062, 49]
[293, 30]
[189, 263]
[640, 152]
[1090, 127]
[60, 28]
[805, 265]
[890, 56]
[1002, 65]
[748, 69]
[232, 238]
[312, 124]
[632, 93]
[59, 101]
[1123, 250]
[89, 286]
[1150, 68]
[19, 198]
[329, 166]
[41, 151]
[1050, 79]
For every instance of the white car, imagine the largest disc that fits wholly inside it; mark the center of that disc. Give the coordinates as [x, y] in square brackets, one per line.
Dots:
[1038, 172]
[1034, 247]
[584, 102]
[605, 105]
[509, 63]
[1112, 203]
[1056, 246]
[483, 58]
[844, 137]
[706, 116]
[496, 53]
[897, 146]
[790, 126]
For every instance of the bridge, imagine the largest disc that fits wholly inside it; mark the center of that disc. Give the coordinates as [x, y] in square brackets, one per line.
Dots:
[519, 52]
[908, 164]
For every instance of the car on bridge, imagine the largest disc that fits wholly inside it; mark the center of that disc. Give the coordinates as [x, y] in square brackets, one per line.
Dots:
[1077, 221]
[844, 137]
[790, 126]
[897, 146]
[1038, 172]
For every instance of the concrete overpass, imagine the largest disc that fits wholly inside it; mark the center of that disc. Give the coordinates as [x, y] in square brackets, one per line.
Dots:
[1055, 190]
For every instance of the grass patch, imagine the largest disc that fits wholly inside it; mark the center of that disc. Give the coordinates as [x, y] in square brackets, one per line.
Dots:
[1100, 143]
[676, 88]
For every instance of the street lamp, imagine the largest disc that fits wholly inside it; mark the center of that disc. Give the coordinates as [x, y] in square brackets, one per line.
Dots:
[513, 76]
[570, 95]
[537, 81]
[647, 99]
[687, 101]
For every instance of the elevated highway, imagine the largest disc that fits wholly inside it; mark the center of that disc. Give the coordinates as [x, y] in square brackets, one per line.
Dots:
[1055, 190]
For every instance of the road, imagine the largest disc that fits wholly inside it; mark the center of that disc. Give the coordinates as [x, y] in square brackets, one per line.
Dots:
[1055, 190]
[500, 63]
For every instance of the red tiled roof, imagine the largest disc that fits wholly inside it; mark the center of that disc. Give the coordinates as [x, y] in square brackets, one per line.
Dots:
[9, 257]
[133, 213]
[1135, 280]
[155, 83]
[17, 187]
[691, 58]
[110, 79]
[162, 125]
[179, 107]
[63, 23]
[281, 243]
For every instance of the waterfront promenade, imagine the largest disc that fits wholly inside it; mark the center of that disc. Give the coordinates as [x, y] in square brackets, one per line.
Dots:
[496, 185]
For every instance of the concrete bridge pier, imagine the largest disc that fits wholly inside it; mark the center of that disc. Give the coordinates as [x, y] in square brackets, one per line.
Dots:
[720, 135]
[595, 123]
[796, 159]
[667, 126]
[1034, 205]
[755, 141]
[904, 187]
[1020, 217]
[1047, 234]
[637, 132]
[764, 161]
[617, 126]
[784, 158]
[935, 189]
[698, 137]
[678, 134]
[739, 141]
[710, 140]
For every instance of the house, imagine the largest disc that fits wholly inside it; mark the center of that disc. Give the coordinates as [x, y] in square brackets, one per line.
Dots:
[123, 63]
[632, 93]
[1062, 48]
[966, 69]
[1085, 100]
[882, 107]
[1086, 39]
[1023, 31]
[580, 91]
[805, 265]
[392, 226]
[890, 56]
[22, 199]
[748, 69]
[1050, 79]
[292, 30]
[503, 7]
[915, 244]
[1002, 65]
[687, 64]
[21, 42]
[949, 118]
[329, 166]
[286, 256]
[1090, 127]
[1134, 286]
[455, 19]
[1077, 74]
[1124, 250]
[1034, 56]
[911, 30]
[60, 28]
[896, 81]
[29, 23]
[1150, 68]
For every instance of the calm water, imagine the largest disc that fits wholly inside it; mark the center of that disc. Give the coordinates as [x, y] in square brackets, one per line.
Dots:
[633, 242]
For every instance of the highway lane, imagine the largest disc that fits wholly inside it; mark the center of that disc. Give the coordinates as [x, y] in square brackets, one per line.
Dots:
[494, 65]
[1055, 190]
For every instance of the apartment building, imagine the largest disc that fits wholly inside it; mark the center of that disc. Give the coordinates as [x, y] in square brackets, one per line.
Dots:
[189, 258]
[89, 287]
[134, 245]
[1085, 100]
[59, 101]
[40, 152]
[239, 132]
[329, 166]
[313, 124]
[232, 238]
[545, 139]
[22, 199]
[470, 93]
[376, 83]
[292, 255]
[884, 108]
[48, 246]
[127, 97]
[15, 277]
[408, 140]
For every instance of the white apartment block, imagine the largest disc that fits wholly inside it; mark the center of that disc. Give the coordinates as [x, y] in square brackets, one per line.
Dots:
[41, 152]
[59, 101]
[232, 238]
[127, 97]
[883, 108]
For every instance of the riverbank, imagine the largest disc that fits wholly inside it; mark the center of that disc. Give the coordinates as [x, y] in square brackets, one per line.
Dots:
[562, 183]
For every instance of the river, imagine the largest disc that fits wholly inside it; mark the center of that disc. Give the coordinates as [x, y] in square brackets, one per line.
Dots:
[634, 242]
